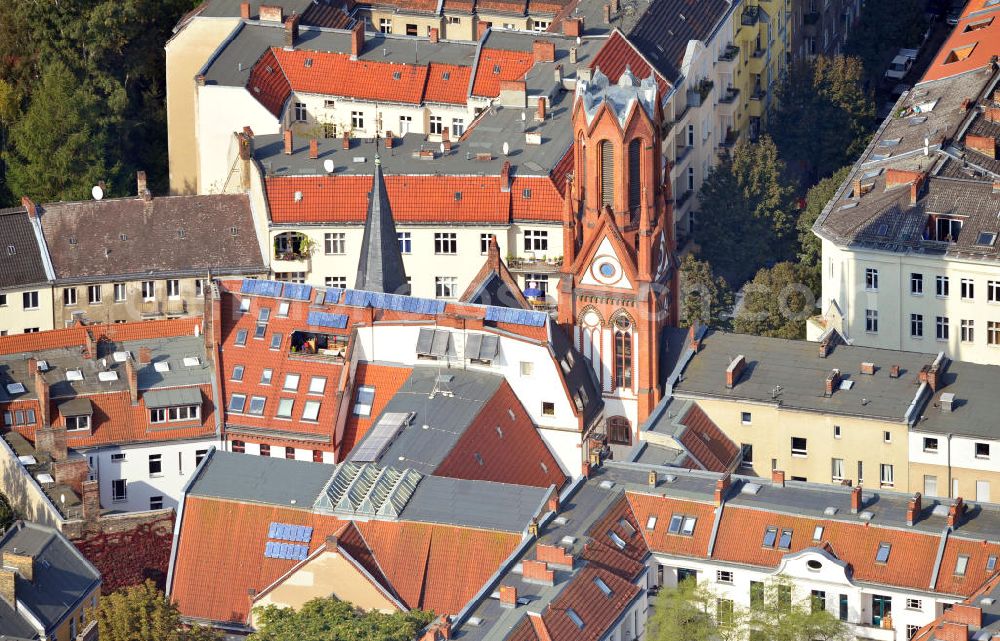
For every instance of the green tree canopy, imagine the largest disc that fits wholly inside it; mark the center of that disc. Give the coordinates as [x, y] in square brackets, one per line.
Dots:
[143, 613]
[776, 303]
[810, 253]
[705, 298]
[330, 619]
[884, 27]
[691, 612]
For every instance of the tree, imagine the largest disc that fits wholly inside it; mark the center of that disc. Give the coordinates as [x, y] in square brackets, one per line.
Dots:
[777, 616]
[143, 613]
[776, 303]
[57, 150]
[746, 216]
[7, 514]
[810, 253]
[330, 619]
[881, 30]
[706, 299]
[691, 612]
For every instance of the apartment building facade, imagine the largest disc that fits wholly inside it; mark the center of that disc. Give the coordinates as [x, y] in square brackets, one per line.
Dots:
[821, 27]
[25, 275]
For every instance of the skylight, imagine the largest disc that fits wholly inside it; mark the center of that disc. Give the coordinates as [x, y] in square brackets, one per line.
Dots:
[675, 524]
[619, 541]
[688, 527]
[818, 533]
[161, 366]
[651, 523]
[191, 361]
[574, 617]
[991, 564]
[770, 534]
[15, 388]
[785, 542]
[120, 357]
[986, 239]
[961, 564]
[882, 556]
[602, 586]
[107, 377]
[74, 375]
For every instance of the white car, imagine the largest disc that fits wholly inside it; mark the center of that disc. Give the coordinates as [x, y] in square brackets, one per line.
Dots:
[898, 68]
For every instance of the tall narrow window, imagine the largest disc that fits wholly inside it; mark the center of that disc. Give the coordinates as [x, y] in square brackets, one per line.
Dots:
[607, 173]
[623, 352]
[634, 175]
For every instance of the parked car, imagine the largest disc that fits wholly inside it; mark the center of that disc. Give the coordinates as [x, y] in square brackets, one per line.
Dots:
[910, 53]
[899, 67]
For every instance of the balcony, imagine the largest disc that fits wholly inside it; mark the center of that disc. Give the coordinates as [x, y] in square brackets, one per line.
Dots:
[750, 17]
[175, 307]
[729, 54]
[150, 308]
[533, 265]
[697, 95]
[873, 632]
[683, 199]
[317, 346]
[729, 96]
[759, 93]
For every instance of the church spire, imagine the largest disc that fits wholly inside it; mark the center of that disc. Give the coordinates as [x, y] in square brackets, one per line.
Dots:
[380, 268]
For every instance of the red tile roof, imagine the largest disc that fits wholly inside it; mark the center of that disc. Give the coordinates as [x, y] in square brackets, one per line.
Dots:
[434, 567]
[617, 54]
[505, 6]
[496, 447]
[386, 379]
[268, 84]
[597, 610]
[452, 90]
[708, 444]
[496, 65]
[413, 198]
[337, 75]
[536, 198]
[975, 571]
[965, 49]
[658, 540]
[562, 170]
[115, 332]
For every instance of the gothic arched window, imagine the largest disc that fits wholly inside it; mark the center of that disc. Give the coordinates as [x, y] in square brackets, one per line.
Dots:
[623, 352]
[634, 175]
[607, 159]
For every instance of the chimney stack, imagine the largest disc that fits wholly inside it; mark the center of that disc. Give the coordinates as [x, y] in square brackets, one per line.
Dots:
[651, 478]
[868, 368]
[245, 10]
[534, 571]
[894, 371]
[553, 555]
[145, 355]
[721, 488]
[291, 31]
[573, 27]
[540, 111]
[778, 478]
[832, 382]
[140, 180]
[432, 34]
[856, 503]
[388, 140]
[346, 144]
[29, 206]
[91, 500]
[508, 596]
[481, 28]
[735, 370]
[824, 348]
[544, 50]
[913, 509]
[955, 512]
[606, 9]
[133, 381]
[446, 140]
[313, 149]
[42, 392]
[23, 564]
[358, 40]
[289, 142]
[986, 145]
[271, 13]
[585, 470]
[554, 502]
[52, 441]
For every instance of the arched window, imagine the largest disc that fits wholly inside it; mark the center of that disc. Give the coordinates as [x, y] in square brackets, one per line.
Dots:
[634, 175]
[607, 155]
[623, 352]
[581, 150]
[619, 431]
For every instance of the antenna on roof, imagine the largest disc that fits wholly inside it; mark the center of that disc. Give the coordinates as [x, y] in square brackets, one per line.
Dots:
[775, 392]
[97, 192]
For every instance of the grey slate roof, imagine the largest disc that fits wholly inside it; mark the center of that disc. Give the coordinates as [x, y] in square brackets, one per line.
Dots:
[261, 479]
[976, 407]
[796, 367]
[477, 504]
[20, 257]
[173, 235]
[664, 30]
[380, 265]
[62, 576]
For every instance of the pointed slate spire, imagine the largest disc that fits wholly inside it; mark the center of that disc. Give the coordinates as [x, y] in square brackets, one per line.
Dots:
[380, 268]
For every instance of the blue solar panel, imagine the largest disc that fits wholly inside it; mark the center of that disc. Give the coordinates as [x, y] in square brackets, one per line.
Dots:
[286, 532]
[324, 319]
[393, 302]
[296, 291]
[333, 295]
[260, 287]
[275, 550]
[246, 287]
[515, 316]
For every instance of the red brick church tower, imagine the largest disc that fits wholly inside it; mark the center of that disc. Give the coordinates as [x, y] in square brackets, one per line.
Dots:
[618, 285]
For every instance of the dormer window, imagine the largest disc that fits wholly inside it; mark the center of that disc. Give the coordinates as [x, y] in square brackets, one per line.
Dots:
[943, 229]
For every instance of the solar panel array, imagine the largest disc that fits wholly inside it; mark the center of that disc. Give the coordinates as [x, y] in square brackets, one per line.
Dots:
[286, 532]
[296, 291]
[394, 302]
[331, 296]
[379, 437]
[525, 317]
[273, 550]
[325, 319]
[261, 287]
[483, 347]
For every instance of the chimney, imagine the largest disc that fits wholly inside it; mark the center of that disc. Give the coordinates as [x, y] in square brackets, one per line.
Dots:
[388, 140]
[24, 564]
[573, 27]
[271, 13]
[358, 40]
[857, 188]
[432, 34]
[89, 346]
[505, 176]
[42, 392]
[607, 13]
[7, 582]
[894, 371]
[986, 145]
[947, 402]
[534, 571]
[540, 111]
[481, 28]
[832, 382]
[778, 478]
[721, 488]
[291, 31]
[554, 499]
[52, 441]
[332, 542]
[313, 149]
[932, 378]
[856, 503]
[868, 368]
[899, 177]
[289, 142]
[91, 500]
[824, 348]
[651, 478]
[735, 370]
[29, 206]
[245, 10]
[544, 50]
[508, 596]
[133, 381]
[585, 470]
[955, 512]
[346, 141]
[145, 355]
[553, 555]
[961, 613]
[533, 528]
[446, 140]
[572, 55]
[913, 509]
[693, 342]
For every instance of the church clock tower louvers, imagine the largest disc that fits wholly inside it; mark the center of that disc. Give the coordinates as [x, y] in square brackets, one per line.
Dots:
[619, 280]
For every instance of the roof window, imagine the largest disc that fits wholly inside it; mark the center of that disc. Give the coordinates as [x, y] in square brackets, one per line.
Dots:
[446, 75]
[308, 63]
[785, 542]
[818, 533]
[770, 535]
[74, 375]
[574, 617]
[960, 53]
[991, 563]
[396, 75]
[961, 564]
[618, 541]
[986, 239]
[15, 388]
[882, 556]
[496, 69]
[602, 586]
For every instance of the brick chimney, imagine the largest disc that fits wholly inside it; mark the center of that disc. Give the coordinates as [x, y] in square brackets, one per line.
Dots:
[432, 34]
[346, 142]
[735, 370]
[535, 571]
[868, 368]
[721, 489]
[544, 50]
[313, 149]
[540, 110]
[573, 27]
[358, 40]
[508, 596]
[271, 13]
[894, 371]
[91, 499]
[52, 441]
[553, 504]
[446, 140]
[23, 564]
[388, 140]
[42, 392]
[145, 355]
[915, 190]
[651, 478]
[7, 583]
[132, 377]
[913, 509]
[606, 13]
[505, 176]
[554, 555]
[825, 347]
[832, 382]
[985, 145]
[963, 613]
[89, 346]
[585, 470]
[899, 177]
[245, 10]
[481, 28]
[291, 31]
[856, 500]
[955, 512]
[289, 142]
[30, 206]
[778, 478]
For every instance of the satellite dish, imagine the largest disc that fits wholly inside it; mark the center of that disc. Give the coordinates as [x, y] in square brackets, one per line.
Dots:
[298, 196]
[328, 166]
[97, 192]
[442, 148]
[506, 148]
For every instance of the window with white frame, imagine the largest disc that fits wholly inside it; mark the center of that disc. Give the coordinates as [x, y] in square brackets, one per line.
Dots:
[69, 295]
[300, 112]
[993, 333]
[173, 288]
[335, 243]
[199, 287]
[119, 490]
[886, 476]
[237, 402]
[445, 286]
[436, 124]
[335, 281]
[311, 411]
[540, 282]
[967, 330]
[265, 376]
[385, 25]
[536, 240]
[871, 321]
[799, 446]
[484, 243]
[363, 400]
[993, 291]
[917, 325]
[724, 576]
[457, 127]
[317, 385]
[120, 292]
[405, 122]
[941, 328]
[148, 290]
[94, 294]
[445, 242]
[77, 423]
[916, 284]
[155, 464]
[29, 300]
[405, 242]
[540, 25]
[837, 469]
[358, 120]
[871, 279]
[291, 382]
[285, 408]
[257, 405]
[941, 286]
[967, 287]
